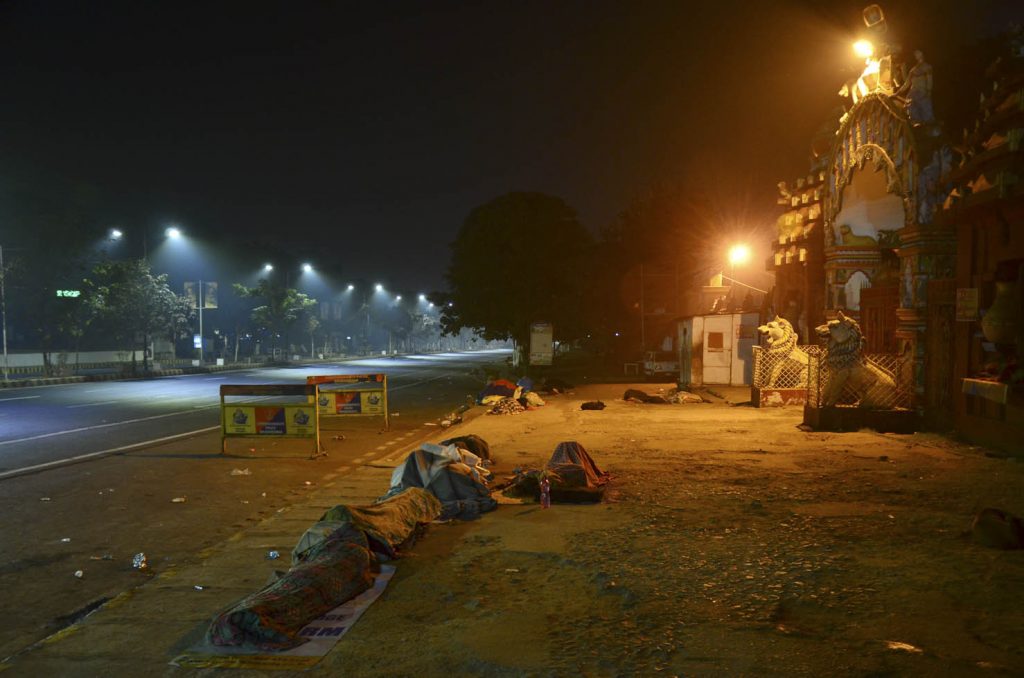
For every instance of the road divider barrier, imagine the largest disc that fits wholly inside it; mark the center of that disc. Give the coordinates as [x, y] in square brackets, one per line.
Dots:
[361, 395]
[294, 416]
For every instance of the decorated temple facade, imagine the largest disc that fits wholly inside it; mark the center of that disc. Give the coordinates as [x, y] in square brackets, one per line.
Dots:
[797, 255]
[875, 195]
[982, 311]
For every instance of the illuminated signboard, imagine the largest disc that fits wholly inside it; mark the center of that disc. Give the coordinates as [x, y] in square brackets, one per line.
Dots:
[68, 293]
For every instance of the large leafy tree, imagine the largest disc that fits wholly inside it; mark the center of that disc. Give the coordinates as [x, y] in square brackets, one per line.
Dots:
[47, 248]
[518, 259]
[281, 309]
[136, 305]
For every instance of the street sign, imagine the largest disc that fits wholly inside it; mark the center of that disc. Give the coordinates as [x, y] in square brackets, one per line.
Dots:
[197, 341]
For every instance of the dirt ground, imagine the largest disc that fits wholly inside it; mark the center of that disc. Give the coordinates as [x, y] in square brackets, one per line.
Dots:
[732, 543]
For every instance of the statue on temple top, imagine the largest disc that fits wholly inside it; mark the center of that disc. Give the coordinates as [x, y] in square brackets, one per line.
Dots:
[917, 88]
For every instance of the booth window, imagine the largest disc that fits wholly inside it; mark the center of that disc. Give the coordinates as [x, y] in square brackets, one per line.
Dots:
[716, 340]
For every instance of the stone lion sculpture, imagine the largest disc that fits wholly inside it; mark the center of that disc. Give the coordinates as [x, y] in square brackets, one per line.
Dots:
[783, 355]
[848, 369]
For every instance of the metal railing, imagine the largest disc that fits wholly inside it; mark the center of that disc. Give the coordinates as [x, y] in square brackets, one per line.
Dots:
[879, 381]
[778, 369]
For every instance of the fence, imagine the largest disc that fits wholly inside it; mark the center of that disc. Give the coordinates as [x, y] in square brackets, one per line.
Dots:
[878, 381]
[780, 370]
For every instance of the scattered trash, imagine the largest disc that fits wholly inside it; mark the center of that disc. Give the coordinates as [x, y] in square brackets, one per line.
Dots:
[264, 494]
[44, 499]
[592, 405]
[66, 539]
[339, 437]
[79, 573]
[273, 555]
[308, 483]
[252, 449]
[511, 570]
[905, 647]
[199, 587]
[139, 561]
[245, 501]
[179, 500]
[105, 556]
[241, 472]
[396, 414]
[430, 423]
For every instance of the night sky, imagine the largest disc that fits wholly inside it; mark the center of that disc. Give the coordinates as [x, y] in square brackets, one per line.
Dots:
[364, 133]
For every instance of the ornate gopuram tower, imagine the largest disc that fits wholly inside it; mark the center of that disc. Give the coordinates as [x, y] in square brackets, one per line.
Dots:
[882, 244]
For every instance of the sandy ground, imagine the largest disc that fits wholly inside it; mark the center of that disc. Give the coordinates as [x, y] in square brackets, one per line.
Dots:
[733, 544]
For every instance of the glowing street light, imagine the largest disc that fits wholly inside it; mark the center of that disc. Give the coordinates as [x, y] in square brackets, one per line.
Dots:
[378, 287]
[423, 297]
[268, 267]
[398, 297]
[863, 49]
[116, 234]
[307, 268]
[739, 254]
[351, 287]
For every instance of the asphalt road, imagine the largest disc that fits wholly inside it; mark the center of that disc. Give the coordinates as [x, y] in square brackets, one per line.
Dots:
[49, 425]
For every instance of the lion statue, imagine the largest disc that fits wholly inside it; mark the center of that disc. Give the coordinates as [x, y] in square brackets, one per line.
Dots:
[783, 355]
[850, 373]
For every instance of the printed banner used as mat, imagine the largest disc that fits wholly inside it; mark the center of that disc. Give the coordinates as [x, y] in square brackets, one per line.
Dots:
[322, 633]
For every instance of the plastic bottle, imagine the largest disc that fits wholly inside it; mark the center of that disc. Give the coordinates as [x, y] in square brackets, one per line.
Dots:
[545, 493]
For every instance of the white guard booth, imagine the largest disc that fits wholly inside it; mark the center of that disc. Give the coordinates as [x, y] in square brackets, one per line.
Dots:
[717, 349]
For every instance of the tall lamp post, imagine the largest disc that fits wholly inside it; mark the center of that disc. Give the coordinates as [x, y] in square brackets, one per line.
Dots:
[3, 307]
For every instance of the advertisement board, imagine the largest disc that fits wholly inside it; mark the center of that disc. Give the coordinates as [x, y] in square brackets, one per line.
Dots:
[542, 346]
[352, 394]
[283, 419]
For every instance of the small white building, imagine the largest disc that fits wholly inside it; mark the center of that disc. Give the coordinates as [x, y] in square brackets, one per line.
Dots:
[717, 349]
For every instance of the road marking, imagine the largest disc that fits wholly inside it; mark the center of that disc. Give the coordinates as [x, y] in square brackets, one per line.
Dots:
[93, 455]
[91, 390]
[98, 426]
[390, 443]
[4, 400]
[381, 447]
[213, 378]
[102, 402]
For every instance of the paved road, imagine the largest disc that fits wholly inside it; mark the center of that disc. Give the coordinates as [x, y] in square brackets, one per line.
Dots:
[50, 424]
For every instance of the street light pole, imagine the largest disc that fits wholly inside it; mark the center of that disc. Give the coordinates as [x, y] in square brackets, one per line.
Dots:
[3, 307]
[200, 305]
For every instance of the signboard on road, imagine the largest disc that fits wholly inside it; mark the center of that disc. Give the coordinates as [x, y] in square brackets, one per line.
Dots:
[282, 419]
[352, 394]
[542, 345]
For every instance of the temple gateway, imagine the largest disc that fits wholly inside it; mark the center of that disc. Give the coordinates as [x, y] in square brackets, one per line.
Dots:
[915, 236]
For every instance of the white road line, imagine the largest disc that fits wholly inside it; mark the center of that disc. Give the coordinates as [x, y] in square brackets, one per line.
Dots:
[91, 390]
[98, 426]
[4, 400]
[102, 402]
[390, 443]
[92, 455]
[381, 447]
[212, 378]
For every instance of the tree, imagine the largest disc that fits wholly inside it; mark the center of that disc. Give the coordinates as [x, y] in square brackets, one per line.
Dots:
[47, 248]
[137, 305]
[282, 307]
[517, 259]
